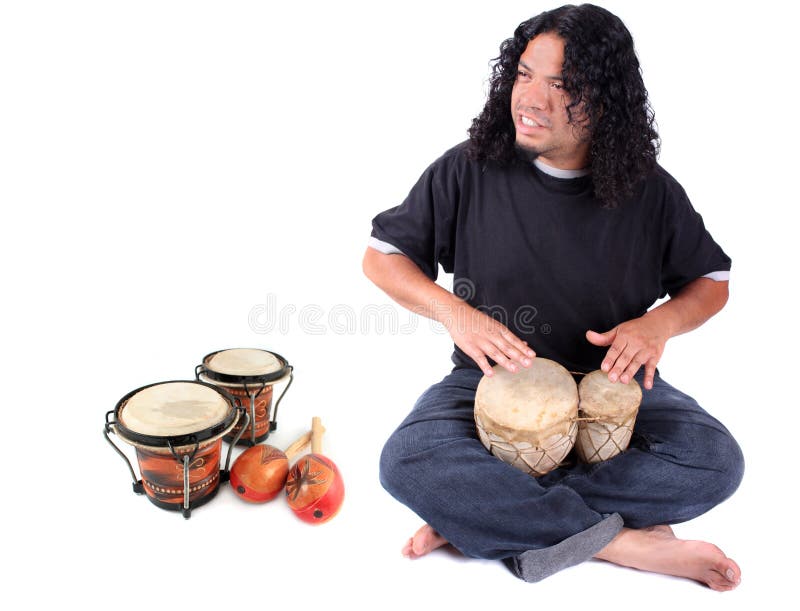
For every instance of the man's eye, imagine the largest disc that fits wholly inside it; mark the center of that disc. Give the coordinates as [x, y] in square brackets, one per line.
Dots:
[522, 74]
[557, 85]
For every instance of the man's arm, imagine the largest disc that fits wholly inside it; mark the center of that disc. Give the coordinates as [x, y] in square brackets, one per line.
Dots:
[477, 334]
[641, 341]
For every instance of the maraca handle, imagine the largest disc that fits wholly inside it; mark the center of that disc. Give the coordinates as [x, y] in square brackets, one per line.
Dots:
[316, 435]
[297, 445]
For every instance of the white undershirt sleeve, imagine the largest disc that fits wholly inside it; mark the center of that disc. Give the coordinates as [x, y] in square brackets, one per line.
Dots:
[384, 247]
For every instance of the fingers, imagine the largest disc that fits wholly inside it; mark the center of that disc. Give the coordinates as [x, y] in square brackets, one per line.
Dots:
[632, 344]
[650, 373]
[486, 338]
[631, 369]
[623, 362]
[502, 352]
[517, 343]
[624, 367]
[481, 361]
[610, 362]
[600, 339]
[507, 349]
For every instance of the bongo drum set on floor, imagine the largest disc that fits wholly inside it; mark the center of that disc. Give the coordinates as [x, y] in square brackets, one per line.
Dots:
[533, 419]
[177, 429]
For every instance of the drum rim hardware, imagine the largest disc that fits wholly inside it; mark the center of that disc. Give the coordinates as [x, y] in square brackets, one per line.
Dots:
[176, 440]
[227, 378]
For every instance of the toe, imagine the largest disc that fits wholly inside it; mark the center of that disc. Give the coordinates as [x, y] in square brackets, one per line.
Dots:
[734, 573]
[419, 546]
[728, 570]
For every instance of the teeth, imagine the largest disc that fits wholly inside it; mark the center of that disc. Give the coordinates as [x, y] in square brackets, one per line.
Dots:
[529, 122]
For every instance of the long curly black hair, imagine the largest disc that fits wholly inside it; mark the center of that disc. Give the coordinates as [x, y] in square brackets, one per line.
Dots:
[601, 72]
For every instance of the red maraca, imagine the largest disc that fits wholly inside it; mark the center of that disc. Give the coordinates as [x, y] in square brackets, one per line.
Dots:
[259, 473]
[314, 488]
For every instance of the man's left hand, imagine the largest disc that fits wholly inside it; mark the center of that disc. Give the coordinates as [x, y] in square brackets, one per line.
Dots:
[633, 343]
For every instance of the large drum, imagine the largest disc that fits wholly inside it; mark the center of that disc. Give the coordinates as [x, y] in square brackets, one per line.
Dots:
[177, 429]
[608, 412]
[528, 419]
[249, 374]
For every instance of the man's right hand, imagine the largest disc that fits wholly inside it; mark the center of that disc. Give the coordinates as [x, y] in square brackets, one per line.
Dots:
[480, 336]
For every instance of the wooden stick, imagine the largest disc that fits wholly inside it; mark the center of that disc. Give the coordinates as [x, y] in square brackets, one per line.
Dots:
[297, 445]
[316, 435]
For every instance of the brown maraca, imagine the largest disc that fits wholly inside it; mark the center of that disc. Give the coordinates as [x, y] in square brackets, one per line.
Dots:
[314, 488]
[259, 473]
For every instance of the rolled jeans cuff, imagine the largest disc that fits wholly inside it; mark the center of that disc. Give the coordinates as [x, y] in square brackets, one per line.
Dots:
[536, 564]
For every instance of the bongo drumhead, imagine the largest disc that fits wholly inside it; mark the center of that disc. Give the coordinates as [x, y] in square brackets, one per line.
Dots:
[174, 413]
[537, 400]
[602, 398]
[244, 365]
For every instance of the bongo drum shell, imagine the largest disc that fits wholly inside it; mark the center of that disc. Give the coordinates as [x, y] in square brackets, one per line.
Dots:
[608, 413]
[260, 417]
[162, 475]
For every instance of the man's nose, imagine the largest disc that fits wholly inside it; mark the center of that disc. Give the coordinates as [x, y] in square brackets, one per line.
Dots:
[534, 95]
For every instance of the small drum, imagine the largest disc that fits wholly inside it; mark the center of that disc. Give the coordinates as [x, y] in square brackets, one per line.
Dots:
[249, 374]
[177, 429]
[608, 412]
[528, 419]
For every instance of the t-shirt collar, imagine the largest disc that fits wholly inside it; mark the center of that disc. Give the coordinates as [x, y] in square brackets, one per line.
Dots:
[557, 173]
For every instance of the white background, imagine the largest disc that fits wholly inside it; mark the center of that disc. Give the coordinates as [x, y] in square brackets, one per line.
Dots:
[168, 169]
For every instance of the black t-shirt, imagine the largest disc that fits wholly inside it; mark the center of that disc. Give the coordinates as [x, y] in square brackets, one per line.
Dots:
[543, 256]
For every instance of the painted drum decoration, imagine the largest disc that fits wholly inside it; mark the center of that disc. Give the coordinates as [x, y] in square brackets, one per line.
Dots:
[527, 419]
[177, 429]
[608, 412]
[249, 374]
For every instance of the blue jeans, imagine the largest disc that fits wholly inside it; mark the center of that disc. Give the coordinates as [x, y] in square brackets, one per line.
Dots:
[681, 462]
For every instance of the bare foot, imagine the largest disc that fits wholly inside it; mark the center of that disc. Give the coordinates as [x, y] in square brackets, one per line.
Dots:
[658, 550]
[424, 540]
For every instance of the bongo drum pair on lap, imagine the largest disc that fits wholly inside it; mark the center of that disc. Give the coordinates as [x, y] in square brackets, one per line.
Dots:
[533, 418]
[177, 427]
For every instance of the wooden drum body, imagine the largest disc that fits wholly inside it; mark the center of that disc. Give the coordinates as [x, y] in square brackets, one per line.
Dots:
[176, 429]
[608, 413]
[528, 418]
[249, 374]
[162, 474]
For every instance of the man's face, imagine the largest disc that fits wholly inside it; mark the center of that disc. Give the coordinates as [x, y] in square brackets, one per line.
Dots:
[538, 107]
